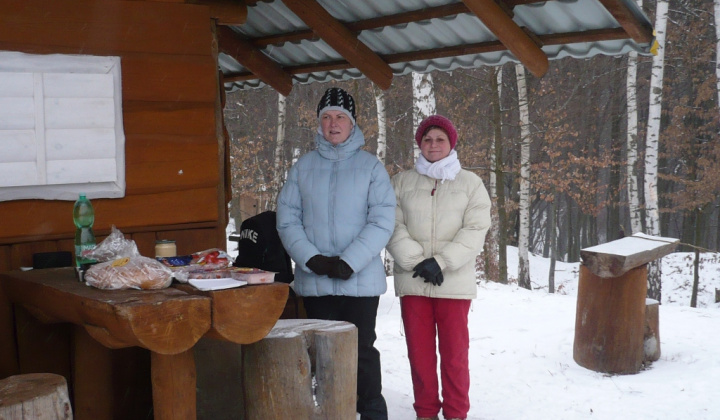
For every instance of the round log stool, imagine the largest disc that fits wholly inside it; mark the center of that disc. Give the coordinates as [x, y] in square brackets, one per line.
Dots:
[35, 396]
[303, 369]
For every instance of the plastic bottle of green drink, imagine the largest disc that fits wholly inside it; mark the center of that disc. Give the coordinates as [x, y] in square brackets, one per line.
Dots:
[84, 217]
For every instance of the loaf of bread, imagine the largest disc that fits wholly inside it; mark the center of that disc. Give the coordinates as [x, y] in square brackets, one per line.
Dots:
[129, 273]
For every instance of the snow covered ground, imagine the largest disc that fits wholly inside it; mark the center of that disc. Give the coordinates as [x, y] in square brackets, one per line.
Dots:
[521, 356]
[521, 352]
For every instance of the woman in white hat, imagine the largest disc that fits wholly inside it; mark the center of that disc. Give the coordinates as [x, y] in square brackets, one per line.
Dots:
[335, 215]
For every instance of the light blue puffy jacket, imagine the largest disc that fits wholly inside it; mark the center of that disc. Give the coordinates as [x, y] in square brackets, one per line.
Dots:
[337, 200]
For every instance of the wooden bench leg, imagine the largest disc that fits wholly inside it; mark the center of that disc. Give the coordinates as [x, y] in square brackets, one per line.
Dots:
[173, 385]
[35, 396]
[92, 377]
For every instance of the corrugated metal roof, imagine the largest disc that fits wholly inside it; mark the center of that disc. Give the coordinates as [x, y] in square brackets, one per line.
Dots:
[542, 18]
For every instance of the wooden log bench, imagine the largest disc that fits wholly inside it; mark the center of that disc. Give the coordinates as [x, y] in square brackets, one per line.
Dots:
[303, 369]
[35, 396]
[616, 328]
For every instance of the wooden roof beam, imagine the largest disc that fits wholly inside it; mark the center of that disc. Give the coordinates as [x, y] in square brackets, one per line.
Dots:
[510, 34]
[254, 60]
[594, 35]
[383, 21]
[342, 40]
[226, 12]
[639, 32]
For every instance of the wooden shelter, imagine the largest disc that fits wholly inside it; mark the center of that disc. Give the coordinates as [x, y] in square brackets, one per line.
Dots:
[178, 57]
[172, 92]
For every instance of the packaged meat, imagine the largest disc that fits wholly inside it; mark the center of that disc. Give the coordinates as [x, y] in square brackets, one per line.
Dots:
[252, 275]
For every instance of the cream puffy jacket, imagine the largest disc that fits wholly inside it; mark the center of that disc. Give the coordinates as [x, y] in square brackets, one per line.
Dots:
[446, 220]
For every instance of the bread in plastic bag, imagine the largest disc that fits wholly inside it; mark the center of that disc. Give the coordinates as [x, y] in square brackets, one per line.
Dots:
[113, 247]
[129, 273]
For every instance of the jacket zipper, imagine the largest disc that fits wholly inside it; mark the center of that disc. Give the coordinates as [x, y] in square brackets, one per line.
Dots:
[434, 219]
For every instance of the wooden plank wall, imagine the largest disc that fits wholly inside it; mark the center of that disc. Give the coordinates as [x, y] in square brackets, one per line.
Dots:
[174, 153]
[175, 159]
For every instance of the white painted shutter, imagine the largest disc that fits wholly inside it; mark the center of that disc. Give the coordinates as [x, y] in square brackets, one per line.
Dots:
[60, 127]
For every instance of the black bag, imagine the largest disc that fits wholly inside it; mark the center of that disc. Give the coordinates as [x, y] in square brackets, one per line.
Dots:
[259, 246]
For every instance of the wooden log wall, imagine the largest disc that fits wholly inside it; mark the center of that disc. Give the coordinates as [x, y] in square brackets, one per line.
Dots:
[175, 174]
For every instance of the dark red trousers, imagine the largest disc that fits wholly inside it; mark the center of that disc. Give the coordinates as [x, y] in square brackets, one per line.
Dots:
[425, 318]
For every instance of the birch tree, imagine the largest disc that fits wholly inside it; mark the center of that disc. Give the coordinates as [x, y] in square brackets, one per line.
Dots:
[279, 142]
[652, 212]
[524, 204]
[382, 125]
[631, 145]
[381, 153]
[423, 102]
[497, 238]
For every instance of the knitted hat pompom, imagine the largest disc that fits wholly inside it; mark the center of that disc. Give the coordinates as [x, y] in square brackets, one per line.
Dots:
[437, 121]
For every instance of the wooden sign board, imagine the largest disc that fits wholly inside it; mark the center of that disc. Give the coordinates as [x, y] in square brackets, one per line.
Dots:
[615, 258]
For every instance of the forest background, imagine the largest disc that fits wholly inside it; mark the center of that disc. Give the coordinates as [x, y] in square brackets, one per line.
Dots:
[597, 149]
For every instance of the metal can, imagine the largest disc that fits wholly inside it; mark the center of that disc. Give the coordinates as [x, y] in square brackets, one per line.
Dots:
[165, 248]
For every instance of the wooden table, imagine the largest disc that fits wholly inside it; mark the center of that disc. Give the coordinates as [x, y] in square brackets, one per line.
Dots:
[168, 322]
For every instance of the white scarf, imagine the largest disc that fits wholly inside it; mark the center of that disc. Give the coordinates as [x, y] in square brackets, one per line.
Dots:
[446, 168]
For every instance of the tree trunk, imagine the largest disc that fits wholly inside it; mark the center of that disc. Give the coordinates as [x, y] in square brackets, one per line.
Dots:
[279, 142]
[382, 125]
[696, 261]
[498, 230]
[524, 205]
[631, 145]
[652, 215]
[553, 245]
[716, 9]
[423, 102]
[381, 153]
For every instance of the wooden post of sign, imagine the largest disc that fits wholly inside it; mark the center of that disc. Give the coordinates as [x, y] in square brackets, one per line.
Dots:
[278, 372]
[616, 329]
[35, 396]
[610, 321]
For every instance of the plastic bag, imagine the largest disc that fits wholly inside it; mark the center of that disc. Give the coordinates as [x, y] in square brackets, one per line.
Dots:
[113, 247]
[129, 273]
[211, 263]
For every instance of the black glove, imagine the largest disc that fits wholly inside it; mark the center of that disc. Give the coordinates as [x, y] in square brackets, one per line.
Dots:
[321, 265]
[340, 270]
[430, 270]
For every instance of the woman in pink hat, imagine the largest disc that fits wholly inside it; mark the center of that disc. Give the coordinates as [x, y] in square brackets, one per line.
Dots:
[441, 218]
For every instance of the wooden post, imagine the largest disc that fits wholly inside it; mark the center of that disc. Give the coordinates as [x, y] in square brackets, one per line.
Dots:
[92, 382]
[173, 389]
[616, 329]
[610, 321]
[35, 396]
[278, 372]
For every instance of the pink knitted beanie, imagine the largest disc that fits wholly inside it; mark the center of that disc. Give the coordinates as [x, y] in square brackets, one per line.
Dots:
[437, 121]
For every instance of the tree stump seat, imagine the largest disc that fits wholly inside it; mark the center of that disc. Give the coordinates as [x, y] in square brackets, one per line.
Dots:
[35, 396]
[651, 343]
[303, 369]
[616, 326]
